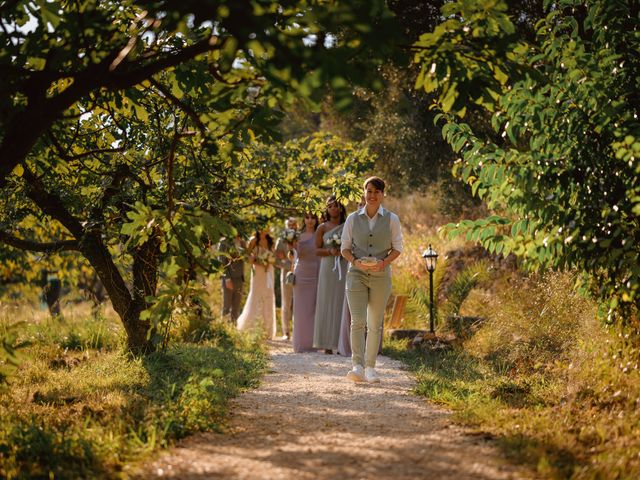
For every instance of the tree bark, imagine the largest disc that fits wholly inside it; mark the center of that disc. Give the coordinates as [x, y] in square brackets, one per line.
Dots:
[127, 308]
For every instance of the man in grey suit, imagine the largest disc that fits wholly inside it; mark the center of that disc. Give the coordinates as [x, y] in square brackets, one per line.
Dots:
[286, 290]
[233, 276]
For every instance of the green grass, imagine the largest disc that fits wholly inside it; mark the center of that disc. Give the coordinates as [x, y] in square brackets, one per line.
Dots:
[554, 388]
[79, 407]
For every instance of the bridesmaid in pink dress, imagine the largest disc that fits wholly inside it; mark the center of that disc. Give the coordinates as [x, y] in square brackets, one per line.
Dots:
[305, 288]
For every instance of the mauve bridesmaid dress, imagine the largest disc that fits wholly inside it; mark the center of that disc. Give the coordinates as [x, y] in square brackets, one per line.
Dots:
[304, 295]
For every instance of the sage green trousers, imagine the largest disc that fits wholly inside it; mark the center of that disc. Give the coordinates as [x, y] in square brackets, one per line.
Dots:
[367, 295]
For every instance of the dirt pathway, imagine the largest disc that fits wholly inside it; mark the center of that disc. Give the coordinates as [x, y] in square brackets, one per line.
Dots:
[306, 422]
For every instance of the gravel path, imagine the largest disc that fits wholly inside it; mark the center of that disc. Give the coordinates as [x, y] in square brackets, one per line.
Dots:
[306, 421]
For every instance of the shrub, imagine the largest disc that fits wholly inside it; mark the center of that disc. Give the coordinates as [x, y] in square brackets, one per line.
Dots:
[10, 346]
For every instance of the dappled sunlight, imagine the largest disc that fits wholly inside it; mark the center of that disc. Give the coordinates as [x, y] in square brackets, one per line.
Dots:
[307, 421]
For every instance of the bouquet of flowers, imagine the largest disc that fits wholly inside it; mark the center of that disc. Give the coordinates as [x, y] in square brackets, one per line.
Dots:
[334, 241]
[265, 258]
[289, 235]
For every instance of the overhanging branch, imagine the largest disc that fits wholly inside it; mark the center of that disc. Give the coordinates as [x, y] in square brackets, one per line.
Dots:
[180, 104]
[51, 204]
[41, 111]
[70, 158]
[45, 247]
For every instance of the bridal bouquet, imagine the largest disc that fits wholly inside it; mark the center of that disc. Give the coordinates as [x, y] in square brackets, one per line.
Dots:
[266, 258]
[334, 241]
[289, 235]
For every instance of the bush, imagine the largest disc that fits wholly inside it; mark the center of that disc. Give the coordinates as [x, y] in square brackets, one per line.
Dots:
[458, 291]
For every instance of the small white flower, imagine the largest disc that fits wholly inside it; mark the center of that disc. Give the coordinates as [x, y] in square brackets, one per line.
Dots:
[334, 240]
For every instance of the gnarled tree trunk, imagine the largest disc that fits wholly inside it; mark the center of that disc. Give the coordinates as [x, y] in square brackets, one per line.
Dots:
[128, 305]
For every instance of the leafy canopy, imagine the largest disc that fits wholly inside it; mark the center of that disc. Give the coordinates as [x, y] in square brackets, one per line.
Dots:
[136, 132]
[560, 169]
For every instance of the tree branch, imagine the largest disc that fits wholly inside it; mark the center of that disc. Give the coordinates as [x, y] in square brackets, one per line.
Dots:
[180, 104]
[69, 158]
[51, 204]
[50, 247]
[41, 111]
[8, 5]
[117, 79]
[121, 173]
[218, 76]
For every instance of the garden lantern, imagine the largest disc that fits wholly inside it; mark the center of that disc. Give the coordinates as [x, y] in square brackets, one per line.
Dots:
[430, 258]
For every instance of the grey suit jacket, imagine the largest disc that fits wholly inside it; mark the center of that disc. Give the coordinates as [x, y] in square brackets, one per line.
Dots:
[234, 269]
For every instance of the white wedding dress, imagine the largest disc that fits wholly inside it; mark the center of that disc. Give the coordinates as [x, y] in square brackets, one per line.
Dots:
[261, 302]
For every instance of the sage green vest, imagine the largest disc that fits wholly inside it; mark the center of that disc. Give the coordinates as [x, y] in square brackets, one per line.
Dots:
[371, 243]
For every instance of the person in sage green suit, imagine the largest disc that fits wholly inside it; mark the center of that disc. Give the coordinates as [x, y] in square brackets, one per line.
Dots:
[371, 240]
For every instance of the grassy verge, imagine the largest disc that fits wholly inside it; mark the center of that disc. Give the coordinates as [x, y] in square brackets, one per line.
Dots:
[80, 408]
[556, 390]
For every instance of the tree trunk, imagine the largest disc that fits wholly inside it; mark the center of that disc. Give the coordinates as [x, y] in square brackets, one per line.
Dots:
[145, 281]
[127, 307]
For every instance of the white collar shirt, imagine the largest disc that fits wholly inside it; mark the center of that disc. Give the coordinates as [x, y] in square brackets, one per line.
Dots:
[394, 222]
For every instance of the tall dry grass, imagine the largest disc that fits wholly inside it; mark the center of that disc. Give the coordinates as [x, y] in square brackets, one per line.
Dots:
[421, 220]
[543, 376]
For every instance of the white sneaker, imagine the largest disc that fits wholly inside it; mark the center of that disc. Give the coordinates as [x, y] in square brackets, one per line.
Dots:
[370, 375]
[356, 374]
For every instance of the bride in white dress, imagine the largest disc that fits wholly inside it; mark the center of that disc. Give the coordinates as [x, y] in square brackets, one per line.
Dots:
[261, 302]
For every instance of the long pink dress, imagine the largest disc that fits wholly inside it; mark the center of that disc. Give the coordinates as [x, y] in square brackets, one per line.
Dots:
[304, 295]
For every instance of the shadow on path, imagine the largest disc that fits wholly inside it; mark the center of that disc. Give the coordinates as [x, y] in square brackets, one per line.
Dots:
[306, 421]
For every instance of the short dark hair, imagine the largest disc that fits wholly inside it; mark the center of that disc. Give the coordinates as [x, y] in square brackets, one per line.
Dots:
[376, 181]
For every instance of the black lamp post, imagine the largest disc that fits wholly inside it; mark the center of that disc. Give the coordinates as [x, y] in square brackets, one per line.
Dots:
[430, 258]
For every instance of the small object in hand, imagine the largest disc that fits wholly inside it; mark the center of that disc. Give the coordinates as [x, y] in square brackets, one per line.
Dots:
[369, 261]
[290, 279]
